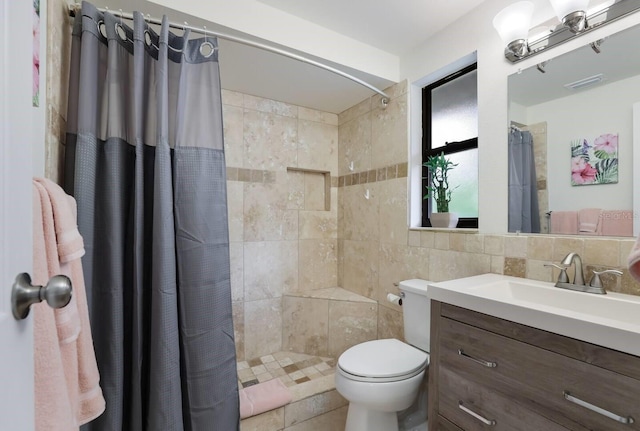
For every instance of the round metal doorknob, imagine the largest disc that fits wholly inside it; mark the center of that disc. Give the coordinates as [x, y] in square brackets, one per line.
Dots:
[57, 293]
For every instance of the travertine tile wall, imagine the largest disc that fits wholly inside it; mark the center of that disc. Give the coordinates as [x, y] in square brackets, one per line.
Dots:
[57, 77]
[377, 249]
[282, 238]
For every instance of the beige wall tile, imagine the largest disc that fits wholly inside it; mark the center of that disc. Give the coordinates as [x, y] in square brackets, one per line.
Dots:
[457, 241]
[313, 406]
[474, 243]
[351, 323]
[537, 271]
[271, 269]
[355, 145]
[361, 215]
[540, 247]
[447, 265]
[398, 263]
[318, 146]
[389, 136]
[497, 264]
[232, 98]
[494, 245]
[263, 327]
[266, 213]
[236, 257]
[317, 116]
[355, 111]
[515, 266]
[233, 124]
[272, 420]
[414, 238]
[441, 241]
[601, 252]
[305, 325]
[270, 106]
[390, 323]
[270, 141]
[314, 192]
[515, 246]
[393, 211]
[318, 265]
[361, 267]
[237, 309]
[625, 249]
[428, 239]
[235, 210]
[341, 281]
[564, 245]
[320, 224]
[333, 420]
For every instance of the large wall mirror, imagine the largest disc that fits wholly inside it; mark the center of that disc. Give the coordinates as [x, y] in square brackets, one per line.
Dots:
[571, 140]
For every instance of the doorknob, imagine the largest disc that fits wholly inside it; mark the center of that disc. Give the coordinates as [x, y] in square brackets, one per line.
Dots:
[57, 293]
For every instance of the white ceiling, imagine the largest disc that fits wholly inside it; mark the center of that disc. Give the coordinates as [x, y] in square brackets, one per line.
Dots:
[395, 26]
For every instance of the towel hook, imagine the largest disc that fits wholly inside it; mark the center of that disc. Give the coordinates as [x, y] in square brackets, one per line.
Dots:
[57, 292]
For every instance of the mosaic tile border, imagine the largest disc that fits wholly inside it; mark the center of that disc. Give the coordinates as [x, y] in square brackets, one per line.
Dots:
[392, 172]
[291, 368]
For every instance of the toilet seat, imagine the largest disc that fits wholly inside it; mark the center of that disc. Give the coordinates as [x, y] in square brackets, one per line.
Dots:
[386, 360]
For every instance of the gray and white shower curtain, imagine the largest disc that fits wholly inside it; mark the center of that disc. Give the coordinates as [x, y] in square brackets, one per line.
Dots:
[524, 214]
[145, 162]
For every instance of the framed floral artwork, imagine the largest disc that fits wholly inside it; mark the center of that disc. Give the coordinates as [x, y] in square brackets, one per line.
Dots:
[594, 163]
[36, 53]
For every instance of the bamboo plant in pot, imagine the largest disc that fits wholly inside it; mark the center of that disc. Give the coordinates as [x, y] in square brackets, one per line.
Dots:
[438, 188]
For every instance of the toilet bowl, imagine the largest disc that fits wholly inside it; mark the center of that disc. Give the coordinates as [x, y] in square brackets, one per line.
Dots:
[379, 378]
[382, 377]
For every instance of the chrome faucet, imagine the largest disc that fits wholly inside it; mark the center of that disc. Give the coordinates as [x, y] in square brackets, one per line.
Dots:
[595, 284]
[578, 278]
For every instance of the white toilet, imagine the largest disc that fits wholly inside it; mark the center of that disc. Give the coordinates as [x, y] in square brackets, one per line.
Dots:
[380, 378]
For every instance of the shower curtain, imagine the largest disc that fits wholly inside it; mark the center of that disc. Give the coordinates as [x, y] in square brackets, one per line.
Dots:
[524, 213]
[145, 162]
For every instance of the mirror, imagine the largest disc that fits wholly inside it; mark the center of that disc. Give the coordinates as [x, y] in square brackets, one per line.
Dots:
[572, 119]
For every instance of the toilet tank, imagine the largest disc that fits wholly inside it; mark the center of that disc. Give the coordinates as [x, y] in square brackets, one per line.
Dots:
[416, 310]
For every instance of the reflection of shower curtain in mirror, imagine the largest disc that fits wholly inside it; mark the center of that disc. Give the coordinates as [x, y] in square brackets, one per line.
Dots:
[523, 193]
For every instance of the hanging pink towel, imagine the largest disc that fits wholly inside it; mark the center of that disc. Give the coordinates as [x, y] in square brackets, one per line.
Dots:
[564, 222]
[589, 221]
[617, 223]
[263, 397]
[67, 391]
[633, 260]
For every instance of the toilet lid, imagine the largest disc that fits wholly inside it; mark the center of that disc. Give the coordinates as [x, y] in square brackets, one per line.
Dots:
[382, 359]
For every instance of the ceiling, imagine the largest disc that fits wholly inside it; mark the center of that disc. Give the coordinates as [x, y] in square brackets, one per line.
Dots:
[394, 26]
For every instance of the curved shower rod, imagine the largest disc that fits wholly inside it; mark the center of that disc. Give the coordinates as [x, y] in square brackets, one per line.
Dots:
[75, 7]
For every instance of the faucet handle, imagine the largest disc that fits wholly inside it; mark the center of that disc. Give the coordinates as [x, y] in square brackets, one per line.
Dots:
[595, 280]
[563, 277]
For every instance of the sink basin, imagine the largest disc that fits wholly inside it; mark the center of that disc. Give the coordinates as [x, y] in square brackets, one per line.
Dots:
[611, 320]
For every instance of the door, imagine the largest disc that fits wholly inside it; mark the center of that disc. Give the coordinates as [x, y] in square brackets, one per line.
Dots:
[16, 168]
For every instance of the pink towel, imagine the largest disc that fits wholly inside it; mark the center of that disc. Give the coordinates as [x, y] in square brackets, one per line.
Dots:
[66, 374]
[263, 397]
[564, 222]
[617, 223]
[589, 220]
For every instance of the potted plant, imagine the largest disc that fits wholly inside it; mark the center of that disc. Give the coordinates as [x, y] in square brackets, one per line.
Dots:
[438, 188]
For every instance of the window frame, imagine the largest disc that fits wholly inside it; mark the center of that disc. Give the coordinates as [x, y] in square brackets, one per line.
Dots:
[448, 148]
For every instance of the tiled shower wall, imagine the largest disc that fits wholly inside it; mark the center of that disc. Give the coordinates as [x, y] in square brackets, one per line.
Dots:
[283, 241]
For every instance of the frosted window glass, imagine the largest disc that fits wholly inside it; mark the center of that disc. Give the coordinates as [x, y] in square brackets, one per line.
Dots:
[464, 198]
[454, 110]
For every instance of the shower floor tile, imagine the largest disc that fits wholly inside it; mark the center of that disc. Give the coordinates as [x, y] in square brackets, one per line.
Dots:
[290, 367]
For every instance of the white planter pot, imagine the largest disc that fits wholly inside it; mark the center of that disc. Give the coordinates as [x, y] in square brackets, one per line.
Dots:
[443, 219]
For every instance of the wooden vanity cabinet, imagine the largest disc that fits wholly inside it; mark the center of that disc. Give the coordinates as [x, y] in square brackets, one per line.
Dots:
[487, 373]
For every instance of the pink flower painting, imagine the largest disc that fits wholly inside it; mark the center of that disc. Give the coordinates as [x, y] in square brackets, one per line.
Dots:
[597, 163]
[36, 53]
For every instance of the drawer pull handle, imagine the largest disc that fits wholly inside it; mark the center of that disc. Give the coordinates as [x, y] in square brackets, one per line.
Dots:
[470, 412]
[479, 361]
[600, 410]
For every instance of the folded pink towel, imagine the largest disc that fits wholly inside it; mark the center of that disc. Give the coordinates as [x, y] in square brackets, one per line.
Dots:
[564, 222]
[589, 220]
[263, 397]
[617, 223]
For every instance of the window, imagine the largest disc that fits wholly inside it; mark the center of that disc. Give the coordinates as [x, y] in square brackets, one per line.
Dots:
[450, 126]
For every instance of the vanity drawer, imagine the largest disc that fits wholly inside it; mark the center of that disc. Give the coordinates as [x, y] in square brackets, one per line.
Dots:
[472, 406]
[547, 383]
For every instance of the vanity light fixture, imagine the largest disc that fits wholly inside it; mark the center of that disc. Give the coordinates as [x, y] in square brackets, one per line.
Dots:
[513, 24]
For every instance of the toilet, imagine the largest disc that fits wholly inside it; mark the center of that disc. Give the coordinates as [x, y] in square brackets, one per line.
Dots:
[380, 378]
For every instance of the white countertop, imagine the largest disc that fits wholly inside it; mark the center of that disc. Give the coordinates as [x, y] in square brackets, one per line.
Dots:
[611, 320]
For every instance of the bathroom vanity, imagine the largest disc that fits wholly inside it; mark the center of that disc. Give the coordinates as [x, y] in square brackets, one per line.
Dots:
[503, 358]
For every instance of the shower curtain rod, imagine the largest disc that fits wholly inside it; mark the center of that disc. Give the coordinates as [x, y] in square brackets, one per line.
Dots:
[74, 8]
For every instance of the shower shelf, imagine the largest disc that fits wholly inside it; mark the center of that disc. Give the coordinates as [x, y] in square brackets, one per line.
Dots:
[327, 182]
